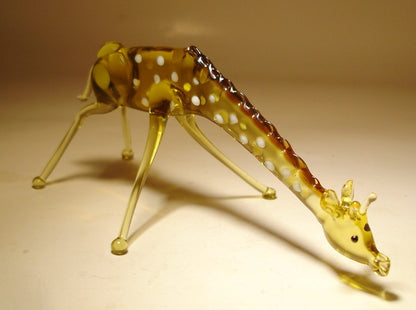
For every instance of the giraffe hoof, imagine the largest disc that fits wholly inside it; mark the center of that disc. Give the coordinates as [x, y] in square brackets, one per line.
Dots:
[269, 194]
[127, 155]
[119, 246]
[38, 183]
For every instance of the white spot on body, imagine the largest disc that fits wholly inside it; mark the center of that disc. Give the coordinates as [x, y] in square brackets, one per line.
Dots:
[233, 119]
[285, 172]
[243, 139]
[212, 98]
[269, 165]
[260, 143]
[156, 78]
[174, 77]
[195, 81]
[136, 82]
[296, 187]
[145, 102]
[138, 58]
[195, 100]
[160, 60]
[218, 119]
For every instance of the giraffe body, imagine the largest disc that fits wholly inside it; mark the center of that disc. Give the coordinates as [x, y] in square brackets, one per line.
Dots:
[175, 82]
[182, 83]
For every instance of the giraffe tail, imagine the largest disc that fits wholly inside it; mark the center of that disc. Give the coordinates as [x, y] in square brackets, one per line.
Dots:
[88, 89]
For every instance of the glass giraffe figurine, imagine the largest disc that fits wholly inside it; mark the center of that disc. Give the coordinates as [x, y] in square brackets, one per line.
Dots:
[183, 83]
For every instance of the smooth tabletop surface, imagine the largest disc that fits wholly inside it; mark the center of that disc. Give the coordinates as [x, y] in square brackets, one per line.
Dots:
[201, 238]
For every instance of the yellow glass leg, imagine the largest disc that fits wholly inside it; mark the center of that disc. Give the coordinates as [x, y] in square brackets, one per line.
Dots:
[127, 153]
[156, 129]
[189, 124]
[94, 108]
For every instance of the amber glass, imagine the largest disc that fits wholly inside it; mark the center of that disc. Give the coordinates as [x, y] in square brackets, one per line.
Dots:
[183, 83]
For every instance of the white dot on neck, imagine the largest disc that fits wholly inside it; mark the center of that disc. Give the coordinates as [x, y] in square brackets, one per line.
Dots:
[218, 119]
[296, 187]
[243, 139]
[260, 143]
[269, 165]
[285, 172]
[233, 119]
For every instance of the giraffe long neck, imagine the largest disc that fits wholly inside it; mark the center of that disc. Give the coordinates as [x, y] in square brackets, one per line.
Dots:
[235, 114]
[179, 81]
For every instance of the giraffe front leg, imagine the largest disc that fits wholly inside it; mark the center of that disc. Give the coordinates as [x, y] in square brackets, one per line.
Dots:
[157, 126]
[94, 108]
[188, 122]
[127, 153]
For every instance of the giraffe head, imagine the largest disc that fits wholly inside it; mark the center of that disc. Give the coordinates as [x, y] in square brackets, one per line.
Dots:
[347, 229]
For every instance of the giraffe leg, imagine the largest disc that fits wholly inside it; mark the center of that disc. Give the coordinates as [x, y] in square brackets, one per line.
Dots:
[188, 122]
[94, 108]
[156, 129]
[127, 153]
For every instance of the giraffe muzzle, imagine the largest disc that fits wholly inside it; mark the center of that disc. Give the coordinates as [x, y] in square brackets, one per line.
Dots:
[381, 264]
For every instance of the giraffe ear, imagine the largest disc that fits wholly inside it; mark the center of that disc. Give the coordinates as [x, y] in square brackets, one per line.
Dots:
[330, 203]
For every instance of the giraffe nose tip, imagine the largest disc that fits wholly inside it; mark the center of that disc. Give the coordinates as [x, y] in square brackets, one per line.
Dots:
[381, 264]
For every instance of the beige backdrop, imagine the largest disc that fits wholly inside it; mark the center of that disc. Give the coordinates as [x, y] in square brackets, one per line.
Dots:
[348, 41]
[337, 78]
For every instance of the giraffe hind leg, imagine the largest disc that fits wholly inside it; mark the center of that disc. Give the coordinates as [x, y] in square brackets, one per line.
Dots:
[127, 153]
[94, 108]
[189, 124]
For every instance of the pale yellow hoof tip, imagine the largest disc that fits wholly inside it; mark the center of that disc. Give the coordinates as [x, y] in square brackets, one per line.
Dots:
[38, 183]
[269, 194]
[127, 154]
[119, 246]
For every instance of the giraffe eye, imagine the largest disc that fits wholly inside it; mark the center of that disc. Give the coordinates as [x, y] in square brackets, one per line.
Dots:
[354, 238]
